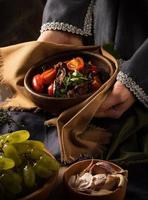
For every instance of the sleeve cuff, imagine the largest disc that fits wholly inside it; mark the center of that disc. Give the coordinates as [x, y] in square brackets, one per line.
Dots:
[61, 26]
[133, 87]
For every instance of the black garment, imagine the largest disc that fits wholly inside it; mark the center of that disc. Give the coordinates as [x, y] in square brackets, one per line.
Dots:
[69, 12]
[123, 23]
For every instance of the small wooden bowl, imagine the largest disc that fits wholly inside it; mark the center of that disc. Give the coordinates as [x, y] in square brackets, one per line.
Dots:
[76, 168]
[59, 104]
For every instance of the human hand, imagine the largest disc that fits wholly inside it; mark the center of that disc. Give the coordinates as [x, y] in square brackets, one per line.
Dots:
[118, 101]
[60, 37]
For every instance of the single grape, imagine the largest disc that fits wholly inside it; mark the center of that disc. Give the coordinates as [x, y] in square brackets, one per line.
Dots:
[6, 163]
[35, 154]
[35, 144]
[49, 162]
[29, 176]
[12, 182]
[28, 146]
[41, 170]
[22, 148]
[17, 136]
[11, 152]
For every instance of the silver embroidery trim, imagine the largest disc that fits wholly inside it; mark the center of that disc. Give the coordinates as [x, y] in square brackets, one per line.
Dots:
[137, 91]
[86, 31]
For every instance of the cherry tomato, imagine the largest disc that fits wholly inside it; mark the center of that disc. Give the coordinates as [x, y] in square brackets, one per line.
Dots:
[93, 69]
[37, 83]
[48, 76]
[51, 90]
[75, 64]
[96, 83]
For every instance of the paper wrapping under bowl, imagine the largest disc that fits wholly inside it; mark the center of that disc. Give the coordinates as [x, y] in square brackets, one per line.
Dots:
[76, 168]
[58, 104]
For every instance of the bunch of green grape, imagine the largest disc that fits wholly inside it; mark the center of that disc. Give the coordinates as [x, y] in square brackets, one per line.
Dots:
[24, 165]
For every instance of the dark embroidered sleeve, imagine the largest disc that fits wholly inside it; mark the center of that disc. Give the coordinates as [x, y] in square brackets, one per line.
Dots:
[134, 74]
[74, 16]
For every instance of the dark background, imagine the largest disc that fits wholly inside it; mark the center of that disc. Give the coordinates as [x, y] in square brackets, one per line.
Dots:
[20, 20]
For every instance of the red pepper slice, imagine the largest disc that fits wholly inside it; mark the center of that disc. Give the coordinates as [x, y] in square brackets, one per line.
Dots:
[37, 83]
[48, 76]
[75, 64]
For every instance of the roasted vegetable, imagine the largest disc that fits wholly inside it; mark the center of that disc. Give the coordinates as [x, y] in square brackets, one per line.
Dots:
[69, 78]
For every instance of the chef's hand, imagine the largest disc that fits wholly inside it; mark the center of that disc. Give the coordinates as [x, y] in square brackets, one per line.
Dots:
[60, 37]
[119, 100]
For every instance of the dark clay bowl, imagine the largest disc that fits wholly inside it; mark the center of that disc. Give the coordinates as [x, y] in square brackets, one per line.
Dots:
[78, 167]
[58, 104]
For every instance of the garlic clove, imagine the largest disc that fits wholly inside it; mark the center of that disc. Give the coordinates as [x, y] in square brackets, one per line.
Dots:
[111, 182]
[102, 168]
[85, 180]
[99, 179]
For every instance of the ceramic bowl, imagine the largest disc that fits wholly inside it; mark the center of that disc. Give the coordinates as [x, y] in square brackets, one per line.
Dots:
[117, 194]
[58, 104]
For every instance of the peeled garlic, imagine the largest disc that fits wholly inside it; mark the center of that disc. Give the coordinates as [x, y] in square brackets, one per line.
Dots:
[97, 177]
